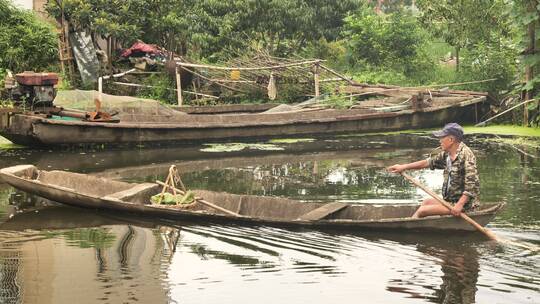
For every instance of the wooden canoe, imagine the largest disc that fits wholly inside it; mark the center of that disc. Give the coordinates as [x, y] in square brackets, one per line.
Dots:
[99, 193]
[35, 129]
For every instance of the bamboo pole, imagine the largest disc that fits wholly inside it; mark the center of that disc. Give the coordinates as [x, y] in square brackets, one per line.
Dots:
[396, 88]
[350, 81]
[232, 81]
[100, 89]
[483, 123]
[213, 67]
[119, 74]
[164, 189]
[316, 78]
[210, 80]
[407, 89]
[178, 87]
[149, 86]
[174, 172]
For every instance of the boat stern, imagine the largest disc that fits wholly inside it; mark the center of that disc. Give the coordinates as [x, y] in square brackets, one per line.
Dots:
[18, 127]
[22, 171]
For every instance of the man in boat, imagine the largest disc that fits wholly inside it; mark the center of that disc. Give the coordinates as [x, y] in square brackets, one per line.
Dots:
[461, 186]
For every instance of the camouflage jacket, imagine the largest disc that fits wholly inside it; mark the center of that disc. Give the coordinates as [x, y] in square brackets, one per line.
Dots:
[462, 178]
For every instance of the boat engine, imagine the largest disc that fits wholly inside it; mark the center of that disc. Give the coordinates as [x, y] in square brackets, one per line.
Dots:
[31, 89]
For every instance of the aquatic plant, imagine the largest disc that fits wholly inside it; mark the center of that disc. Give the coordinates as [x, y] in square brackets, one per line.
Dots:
[290, 140]
[233, 147]
[504, 130]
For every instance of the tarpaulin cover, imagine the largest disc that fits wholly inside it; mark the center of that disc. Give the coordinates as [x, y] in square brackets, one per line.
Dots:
[85, 55]
[141, 48]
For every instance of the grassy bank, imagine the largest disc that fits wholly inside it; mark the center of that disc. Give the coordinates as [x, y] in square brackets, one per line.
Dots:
[508, 130]
[504, 130]
[6, 144]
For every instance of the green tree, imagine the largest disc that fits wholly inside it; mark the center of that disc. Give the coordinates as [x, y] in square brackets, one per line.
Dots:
[486, 61]
[108, 18]
[393, 41]
[464, 23]
[26, 42]
[284, 27]
[526, 15]
[208, 27]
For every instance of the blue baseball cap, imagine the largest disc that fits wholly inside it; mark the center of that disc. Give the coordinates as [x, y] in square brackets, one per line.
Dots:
[450, 129]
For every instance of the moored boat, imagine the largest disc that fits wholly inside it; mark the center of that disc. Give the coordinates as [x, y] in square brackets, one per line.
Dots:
[200, 124]
[99, 193]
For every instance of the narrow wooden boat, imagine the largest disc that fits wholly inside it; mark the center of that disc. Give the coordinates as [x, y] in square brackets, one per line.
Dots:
[99, 193]
[196, 125]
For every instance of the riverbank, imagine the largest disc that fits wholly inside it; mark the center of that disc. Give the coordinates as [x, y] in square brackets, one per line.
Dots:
[6, 144]
[509, 130]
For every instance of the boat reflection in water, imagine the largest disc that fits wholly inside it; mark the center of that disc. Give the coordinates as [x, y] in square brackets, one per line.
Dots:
[58, 254]
[65, 255]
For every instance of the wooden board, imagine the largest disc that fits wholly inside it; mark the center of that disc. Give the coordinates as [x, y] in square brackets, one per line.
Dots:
[392, 108]
[322, 212]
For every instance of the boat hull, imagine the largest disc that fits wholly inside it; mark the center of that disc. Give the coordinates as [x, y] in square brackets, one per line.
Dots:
[33, 130]
[71, 197]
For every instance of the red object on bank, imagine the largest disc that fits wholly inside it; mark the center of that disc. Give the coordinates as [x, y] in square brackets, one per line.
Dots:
[36, 79]
[141, 48]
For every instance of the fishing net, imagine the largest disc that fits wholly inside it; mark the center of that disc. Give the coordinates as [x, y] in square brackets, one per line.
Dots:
[129, 108]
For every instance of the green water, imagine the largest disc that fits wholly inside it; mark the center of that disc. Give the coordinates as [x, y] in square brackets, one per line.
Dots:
[115, 258]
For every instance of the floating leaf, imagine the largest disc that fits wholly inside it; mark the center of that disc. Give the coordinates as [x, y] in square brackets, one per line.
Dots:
[291, 140]
[266, 147]
[234, 147]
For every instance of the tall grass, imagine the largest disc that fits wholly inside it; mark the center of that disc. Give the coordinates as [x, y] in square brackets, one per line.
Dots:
[440, 50]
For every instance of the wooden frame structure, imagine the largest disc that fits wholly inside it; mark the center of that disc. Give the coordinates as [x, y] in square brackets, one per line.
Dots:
[253, 74]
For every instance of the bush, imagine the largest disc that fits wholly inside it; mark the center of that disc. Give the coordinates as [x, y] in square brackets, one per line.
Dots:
[381, 76]
[160, 87]
[393, 43]
[486, 62]
[26, 43]
[334, 52]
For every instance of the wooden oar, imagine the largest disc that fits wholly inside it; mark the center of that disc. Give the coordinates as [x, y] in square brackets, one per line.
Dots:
[464, 216]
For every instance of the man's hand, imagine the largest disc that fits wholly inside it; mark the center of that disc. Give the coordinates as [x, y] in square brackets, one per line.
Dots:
[456, 211]
[396, 168]
[458, 207]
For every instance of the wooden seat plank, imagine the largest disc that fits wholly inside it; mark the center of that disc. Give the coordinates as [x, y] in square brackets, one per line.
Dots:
[322, 212]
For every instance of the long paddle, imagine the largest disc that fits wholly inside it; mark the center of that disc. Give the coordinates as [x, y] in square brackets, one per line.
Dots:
[464, 216]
